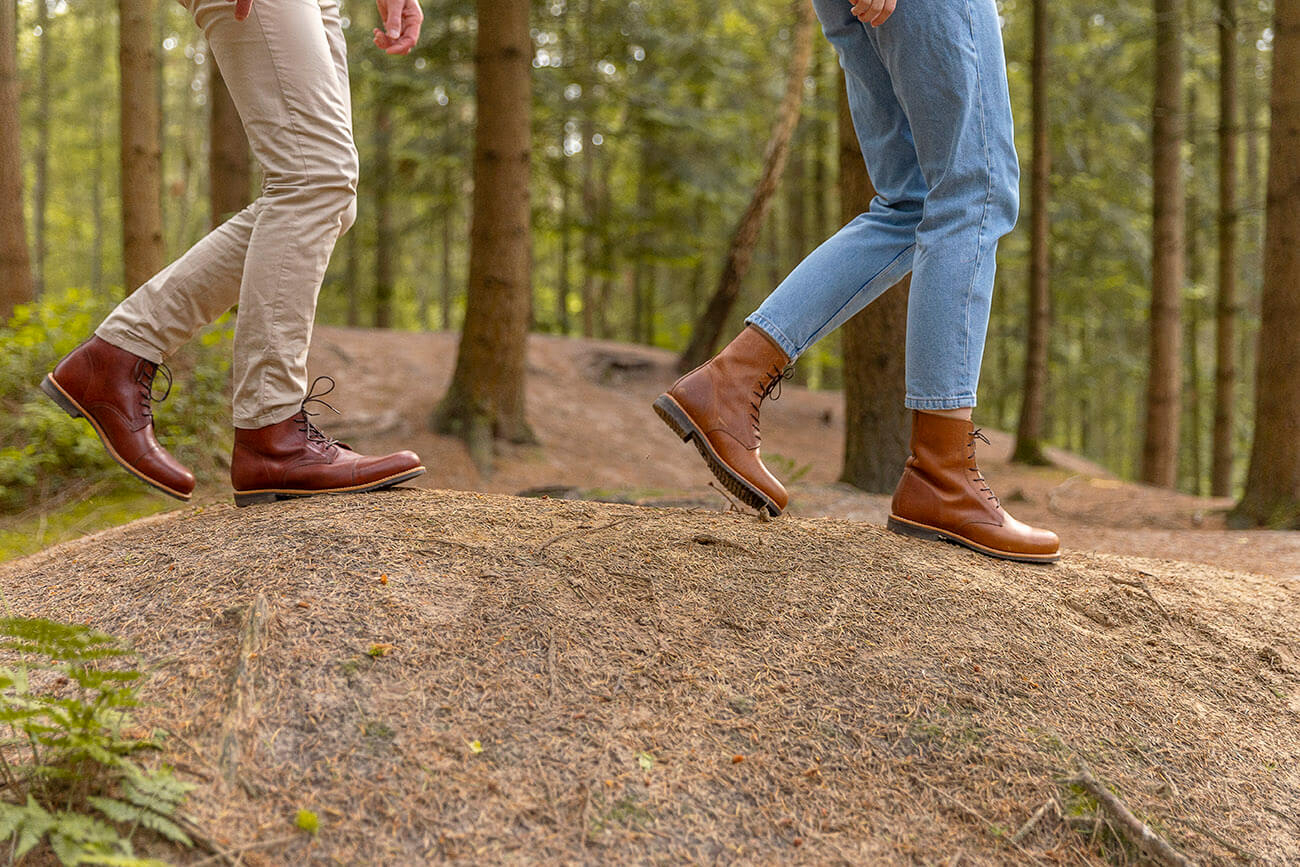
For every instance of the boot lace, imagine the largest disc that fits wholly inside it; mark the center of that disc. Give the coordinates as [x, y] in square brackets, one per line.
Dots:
[977, 434]
[144, 375]
[315, 434]
[771, 389]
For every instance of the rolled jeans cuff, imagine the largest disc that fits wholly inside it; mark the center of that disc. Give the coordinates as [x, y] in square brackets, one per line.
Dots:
[924, 403]
[768, 327]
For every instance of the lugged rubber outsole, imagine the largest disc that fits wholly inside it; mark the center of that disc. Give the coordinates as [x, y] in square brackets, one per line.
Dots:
[72, 408]
[904, 527]
[271, 495]
[680, 423]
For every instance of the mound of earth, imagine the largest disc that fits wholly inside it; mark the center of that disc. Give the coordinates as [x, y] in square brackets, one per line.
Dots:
[589, 406]
[481, 678]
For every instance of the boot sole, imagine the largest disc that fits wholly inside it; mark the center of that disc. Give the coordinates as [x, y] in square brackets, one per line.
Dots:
[271, 495]
[65, 402]
[676, 418]
[904, 527]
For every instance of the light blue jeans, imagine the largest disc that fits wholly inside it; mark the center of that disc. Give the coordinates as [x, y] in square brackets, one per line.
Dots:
[928, 94]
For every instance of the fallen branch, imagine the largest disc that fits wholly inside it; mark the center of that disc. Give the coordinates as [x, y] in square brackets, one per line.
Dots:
[225, 854]
[1142, 585]
[240, 701]
[1049, 804]
[1137, 831]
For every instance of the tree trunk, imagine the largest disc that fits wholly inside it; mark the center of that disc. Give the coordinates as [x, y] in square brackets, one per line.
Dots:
[1163, 394]
[230, 168]
[486, 397]
[563, 285]
[384, 247]
[587, 127]
[876, 424]
[142, 239]
[1029, 431]
[352, 276]
[15, 261]
[1226, 308]
[708, 330]
[40, 185]
[796, 200]
[99, 51]
[1272, 495]
[448, 215]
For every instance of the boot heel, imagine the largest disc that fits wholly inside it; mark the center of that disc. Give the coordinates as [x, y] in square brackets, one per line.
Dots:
[903, 528]
[52, 390]
[257, 499]
[672, 415]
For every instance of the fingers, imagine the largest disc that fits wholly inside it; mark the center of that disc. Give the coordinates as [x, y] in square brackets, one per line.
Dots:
[393, 19]
[408, 32]
[242, 8]
[873, 12]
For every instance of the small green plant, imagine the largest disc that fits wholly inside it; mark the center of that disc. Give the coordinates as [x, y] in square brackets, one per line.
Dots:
[308, 821]
[68, 767]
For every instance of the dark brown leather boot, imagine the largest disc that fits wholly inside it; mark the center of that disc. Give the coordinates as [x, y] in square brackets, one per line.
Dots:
[717, 405]
[294, 459]
[113, 390]
[943, 496]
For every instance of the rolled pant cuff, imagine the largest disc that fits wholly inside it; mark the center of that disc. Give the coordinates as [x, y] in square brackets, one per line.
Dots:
[267, 418]
[131, 344]
[924, 403]
[762, 323]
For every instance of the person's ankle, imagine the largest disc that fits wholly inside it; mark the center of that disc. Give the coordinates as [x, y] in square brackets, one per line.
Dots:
[963, 413]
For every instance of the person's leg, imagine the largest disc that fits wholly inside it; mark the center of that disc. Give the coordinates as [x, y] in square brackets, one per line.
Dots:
[876, 249]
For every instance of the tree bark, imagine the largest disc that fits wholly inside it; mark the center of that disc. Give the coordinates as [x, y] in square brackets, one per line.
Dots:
[1030, 430]
[230, 168]
[1164, 383]
[15, 258]
[448, 235]
[876, 423]
[708, 330]
[142, 238]
[40, 185]
[1226, 308]
[384, 247]
[1272, 495]
[587, 127]
[486, 397]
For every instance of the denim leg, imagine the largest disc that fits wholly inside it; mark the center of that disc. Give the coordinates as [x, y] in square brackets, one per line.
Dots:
[928, 93]
[875, 250]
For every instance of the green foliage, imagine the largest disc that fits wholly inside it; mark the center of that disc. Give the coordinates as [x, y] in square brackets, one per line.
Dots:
[42, 449]
[66, 755]
[307, 821]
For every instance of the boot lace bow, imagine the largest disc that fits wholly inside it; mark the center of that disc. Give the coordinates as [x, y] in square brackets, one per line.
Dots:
[305, 416]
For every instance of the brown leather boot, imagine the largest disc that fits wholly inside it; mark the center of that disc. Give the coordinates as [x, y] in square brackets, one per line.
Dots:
[113, 390]
[943, 496]
[294, 459]
[717, 405]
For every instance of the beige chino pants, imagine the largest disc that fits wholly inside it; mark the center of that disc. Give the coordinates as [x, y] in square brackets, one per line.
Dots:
[286, 68]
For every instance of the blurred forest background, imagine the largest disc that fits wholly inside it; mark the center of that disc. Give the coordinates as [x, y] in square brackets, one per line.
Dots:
[1129, 298]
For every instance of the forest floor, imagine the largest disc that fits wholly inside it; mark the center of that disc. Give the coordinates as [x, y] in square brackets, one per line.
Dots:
[466, 676]
[484, 679]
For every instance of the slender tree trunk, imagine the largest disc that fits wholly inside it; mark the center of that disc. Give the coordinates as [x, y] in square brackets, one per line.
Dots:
[563, 283]
[820, 138]
[40, 186]
[1226, 309]
[1164, 385]
[230, 168]
[876, 423]
[796, 200]
[1029, 431]
[708, 330]
[486, 397]
[1272, 495]
[587, 127]
[142, 238]
[15, 261]
[448, 236]
[384, 248]
[352, 276]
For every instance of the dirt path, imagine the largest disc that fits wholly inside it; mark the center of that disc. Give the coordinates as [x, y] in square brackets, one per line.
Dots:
[597, 435]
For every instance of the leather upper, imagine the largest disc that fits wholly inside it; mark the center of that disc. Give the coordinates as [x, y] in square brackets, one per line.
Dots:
[294, 456]
[113, 387]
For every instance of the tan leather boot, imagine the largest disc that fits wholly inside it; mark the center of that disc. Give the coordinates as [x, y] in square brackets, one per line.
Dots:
[113, 390]
[943, 496]
[295, 459]
[717, 405]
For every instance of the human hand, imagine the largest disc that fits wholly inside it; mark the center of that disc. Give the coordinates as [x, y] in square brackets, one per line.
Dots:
[242, 8]
[873, 12]
[401, 25]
